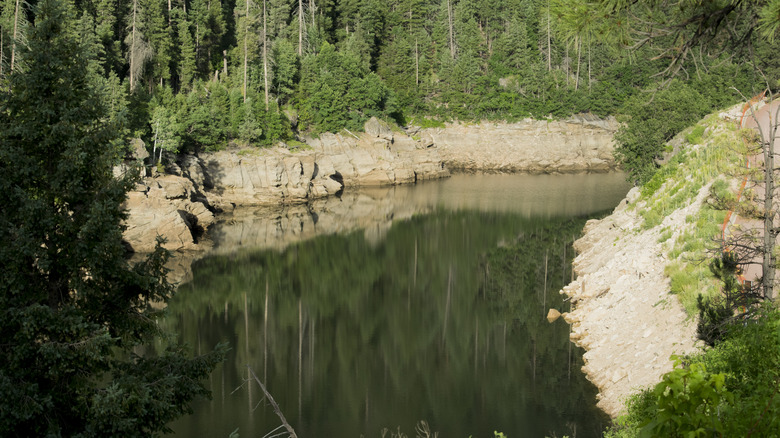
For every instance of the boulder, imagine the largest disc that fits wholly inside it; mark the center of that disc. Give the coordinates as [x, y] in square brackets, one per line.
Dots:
[138, 149]
[378, 128]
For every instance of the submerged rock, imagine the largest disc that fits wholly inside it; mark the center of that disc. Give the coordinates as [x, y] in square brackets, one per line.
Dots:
[553, 315]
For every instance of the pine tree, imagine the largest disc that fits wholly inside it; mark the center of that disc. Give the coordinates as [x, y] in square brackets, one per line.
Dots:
[76, 315]
[187, 65]
[209, 24]
[105, 29]
[160, 34]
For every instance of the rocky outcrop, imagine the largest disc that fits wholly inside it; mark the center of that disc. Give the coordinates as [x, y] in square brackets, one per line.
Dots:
[180, 205]
[625, 316]
[582, 143]
[278, 176]
[170, 207]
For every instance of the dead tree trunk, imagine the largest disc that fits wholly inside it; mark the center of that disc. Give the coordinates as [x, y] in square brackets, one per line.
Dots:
[16, 32]
[265, 54]
[449, 21]
[246, 49]
[300, 27]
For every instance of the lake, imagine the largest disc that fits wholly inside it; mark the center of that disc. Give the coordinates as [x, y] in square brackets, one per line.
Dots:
[392, 312]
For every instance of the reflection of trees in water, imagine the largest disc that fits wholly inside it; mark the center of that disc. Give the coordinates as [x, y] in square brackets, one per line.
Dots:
[437, 322]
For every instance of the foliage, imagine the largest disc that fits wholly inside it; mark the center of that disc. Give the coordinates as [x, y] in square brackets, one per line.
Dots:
[337, 91]
[76, 316]
[730, 389]
[648, 123]
[687, 175]
[473, 60]
[687, 401]
[425, 122]
[735, 302]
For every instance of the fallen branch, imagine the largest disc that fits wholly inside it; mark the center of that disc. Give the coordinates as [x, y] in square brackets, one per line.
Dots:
[273, 404]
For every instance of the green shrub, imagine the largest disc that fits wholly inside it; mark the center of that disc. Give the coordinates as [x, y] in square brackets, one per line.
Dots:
[729, 390]
[695, 136]
[649, 123]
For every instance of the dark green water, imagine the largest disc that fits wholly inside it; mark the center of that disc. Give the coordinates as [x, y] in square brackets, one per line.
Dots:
[439, 317]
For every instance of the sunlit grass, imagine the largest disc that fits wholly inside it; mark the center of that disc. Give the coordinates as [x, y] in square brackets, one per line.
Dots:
[710, 149]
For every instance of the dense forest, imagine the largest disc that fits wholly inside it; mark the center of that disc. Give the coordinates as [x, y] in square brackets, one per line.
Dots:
[200, 74]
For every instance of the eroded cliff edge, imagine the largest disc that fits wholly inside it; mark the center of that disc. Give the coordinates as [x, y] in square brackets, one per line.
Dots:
[582, 143]
[181, 204]
[624, 314]
[639, 268]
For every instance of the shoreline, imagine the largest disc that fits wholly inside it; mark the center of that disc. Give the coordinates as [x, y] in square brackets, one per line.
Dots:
[181, 204]
[624, 315]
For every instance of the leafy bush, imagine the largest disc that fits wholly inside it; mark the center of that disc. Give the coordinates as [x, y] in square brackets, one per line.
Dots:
[651, 121]
[729, 390]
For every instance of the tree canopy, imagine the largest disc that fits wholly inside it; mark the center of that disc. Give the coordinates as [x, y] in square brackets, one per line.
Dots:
[448, 59]
[76, 320]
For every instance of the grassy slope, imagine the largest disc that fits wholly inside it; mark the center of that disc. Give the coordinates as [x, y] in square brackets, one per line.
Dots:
[707, 156]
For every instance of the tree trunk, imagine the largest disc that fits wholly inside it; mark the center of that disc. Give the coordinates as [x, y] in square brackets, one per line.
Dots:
[13, 41]
[589, 52]
[2, 58]
[579, 59]
[300, 27]
[770, 233]
[246, 52]
[132, 48]
[416, 64]
[265, 54]
[449, 20]
[549, 40]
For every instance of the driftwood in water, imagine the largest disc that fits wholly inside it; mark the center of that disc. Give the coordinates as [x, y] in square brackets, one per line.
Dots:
[274, 405]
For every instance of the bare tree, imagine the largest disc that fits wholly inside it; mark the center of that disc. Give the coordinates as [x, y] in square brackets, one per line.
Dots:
[138, 49]
[265, 53]
[15, 35]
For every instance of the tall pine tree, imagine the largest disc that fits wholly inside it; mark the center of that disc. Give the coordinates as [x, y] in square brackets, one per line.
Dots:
[75, 315]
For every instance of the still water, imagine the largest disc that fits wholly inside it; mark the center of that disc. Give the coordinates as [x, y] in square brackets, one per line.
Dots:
[370, 314]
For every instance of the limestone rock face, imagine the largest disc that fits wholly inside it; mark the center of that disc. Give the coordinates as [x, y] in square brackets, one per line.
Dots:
[181, 205]
[163, 207]
[582, 143]
[624, 314]
[179, 208]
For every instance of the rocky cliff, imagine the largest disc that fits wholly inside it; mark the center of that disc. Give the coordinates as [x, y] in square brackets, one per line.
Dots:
[179, 206]
[582, 143]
